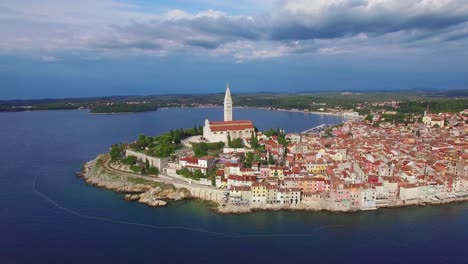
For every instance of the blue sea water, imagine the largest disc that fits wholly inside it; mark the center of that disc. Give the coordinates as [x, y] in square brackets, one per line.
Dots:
[64, 220]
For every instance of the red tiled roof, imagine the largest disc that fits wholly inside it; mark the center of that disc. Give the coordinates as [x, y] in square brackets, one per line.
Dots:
[242, 178]
[190, 160]
[195, 167]
[231, 125]
[240, 188]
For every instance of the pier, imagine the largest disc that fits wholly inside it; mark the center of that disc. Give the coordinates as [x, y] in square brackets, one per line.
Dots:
[316, 129]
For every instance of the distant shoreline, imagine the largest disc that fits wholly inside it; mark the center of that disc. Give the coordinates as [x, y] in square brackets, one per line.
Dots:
[186, 107]
[239, 107]
[291, 110]
[262, 108]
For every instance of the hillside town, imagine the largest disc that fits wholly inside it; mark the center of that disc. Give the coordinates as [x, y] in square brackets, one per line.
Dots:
[359, 167]
[360, 164]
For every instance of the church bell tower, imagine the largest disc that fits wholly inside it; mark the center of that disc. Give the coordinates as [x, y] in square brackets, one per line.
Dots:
[227, 105]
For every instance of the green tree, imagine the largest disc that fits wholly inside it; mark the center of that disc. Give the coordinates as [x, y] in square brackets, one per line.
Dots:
[197, 174]
[153, 170]
[254, 141]
[177, 136]
[270, 132]
[271, 160]
[130, 160]
[141, 143]
[200, 149]
[236, 143]
[135, 168]
[249, 157]
[185, 173]
[164, 150]
[282, 139]
[116, 152]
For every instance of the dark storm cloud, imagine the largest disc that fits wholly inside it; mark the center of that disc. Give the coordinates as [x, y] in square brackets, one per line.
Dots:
[456, 37]
[335, 21]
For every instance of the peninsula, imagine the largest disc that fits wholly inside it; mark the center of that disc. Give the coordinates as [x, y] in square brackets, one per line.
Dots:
[382, 159]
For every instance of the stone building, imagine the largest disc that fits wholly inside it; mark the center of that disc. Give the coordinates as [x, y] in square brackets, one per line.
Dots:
[216, 131]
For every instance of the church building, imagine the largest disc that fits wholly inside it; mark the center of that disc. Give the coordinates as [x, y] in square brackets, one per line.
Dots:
[432, 119]
[216, 131]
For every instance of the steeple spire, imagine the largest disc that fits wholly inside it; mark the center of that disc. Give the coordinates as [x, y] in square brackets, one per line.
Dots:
[227, 96]
[227, 104]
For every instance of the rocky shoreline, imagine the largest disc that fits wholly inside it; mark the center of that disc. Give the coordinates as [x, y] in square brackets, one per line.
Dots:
[150, 192]
[156, 193]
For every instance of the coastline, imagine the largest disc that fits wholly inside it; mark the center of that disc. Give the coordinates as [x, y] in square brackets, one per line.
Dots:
[291, 110]
[189, 107]
[144, 189]
[258, 108]
[121, 113]
[156, 192]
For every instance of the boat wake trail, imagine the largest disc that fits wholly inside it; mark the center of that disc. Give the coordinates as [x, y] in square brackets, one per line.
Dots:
[183, 228]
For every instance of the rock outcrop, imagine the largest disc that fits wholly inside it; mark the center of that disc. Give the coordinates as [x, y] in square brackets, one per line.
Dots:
[151, 193]
[151, 200]
[132, 197]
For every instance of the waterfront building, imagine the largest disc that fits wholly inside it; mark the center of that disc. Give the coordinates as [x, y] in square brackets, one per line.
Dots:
[410, 192]
[203, 164]
[368, 198]
[236, 180]
[271, 194]
[259, 193]
[240, 195]
[293, 196]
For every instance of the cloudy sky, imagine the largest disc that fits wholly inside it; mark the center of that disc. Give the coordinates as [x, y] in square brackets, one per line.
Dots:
[64, 48]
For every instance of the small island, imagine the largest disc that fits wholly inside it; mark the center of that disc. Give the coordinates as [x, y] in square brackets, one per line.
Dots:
[383, 159]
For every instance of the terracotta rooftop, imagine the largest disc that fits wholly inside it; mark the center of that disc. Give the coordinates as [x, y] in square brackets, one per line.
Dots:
[231, 125]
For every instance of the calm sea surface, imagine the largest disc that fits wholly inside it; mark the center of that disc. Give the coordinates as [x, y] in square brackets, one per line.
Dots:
[64, 220]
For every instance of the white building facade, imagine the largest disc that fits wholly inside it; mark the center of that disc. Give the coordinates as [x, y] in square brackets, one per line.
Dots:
[218, 131]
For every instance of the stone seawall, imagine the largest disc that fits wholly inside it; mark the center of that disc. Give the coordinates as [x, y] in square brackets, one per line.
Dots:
[202, 193]
[159, 163]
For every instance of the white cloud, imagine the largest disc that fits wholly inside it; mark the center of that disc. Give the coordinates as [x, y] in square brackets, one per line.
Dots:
[330, 50]
[46, 58]
[326, 27]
